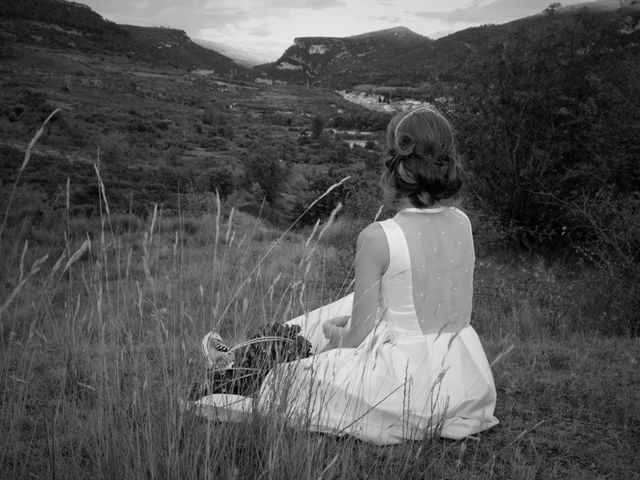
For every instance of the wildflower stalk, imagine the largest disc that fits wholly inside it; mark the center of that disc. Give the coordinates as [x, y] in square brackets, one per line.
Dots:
[25, 162]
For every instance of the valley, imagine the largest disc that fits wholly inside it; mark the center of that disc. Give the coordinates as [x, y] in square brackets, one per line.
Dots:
[157, 122]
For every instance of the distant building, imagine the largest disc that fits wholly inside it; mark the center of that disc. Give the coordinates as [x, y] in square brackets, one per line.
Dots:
[359, 143]
[375, 102]
[201, 72]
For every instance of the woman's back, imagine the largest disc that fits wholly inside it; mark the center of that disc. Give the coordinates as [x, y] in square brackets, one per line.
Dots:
[428, 285]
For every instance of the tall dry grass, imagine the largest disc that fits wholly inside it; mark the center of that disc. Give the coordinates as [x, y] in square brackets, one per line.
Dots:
[100, 342]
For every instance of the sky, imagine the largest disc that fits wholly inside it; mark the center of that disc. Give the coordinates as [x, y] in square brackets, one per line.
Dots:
[269, 26]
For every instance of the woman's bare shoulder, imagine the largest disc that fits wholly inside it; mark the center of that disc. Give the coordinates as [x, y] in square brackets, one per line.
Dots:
[372, 233]
[372, 246]
[372, 250]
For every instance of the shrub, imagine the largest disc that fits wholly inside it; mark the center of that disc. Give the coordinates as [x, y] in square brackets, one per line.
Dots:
[545, 128]
[268, 171]
[317, 126]
[125, 222]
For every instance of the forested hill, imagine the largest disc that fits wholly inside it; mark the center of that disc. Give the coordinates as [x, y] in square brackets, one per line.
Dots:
[401, 57]
[70, 25]
[335, 61]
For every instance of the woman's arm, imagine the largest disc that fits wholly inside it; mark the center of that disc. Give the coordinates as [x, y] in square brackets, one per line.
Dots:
[372, 259]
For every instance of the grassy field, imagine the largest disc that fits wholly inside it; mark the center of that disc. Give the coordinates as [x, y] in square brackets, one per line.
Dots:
[100, 343]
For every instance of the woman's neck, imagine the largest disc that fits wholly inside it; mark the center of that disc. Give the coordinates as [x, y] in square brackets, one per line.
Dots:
[405, 204]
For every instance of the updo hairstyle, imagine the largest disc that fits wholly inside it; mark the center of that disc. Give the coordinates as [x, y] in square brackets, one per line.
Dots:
[421, 160]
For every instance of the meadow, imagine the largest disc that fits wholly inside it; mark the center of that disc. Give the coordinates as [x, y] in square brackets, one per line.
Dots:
[101, 335]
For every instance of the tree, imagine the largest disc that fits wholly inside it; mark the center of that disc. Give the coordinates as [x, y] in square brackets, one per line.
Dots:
[221, 179]
[341, 154]
[317, 126]
[551, 9]
[268, 171]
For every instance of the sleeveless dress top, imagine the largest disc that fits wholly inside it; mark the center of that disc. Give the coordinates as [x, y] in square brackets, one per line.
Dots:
[421, 370]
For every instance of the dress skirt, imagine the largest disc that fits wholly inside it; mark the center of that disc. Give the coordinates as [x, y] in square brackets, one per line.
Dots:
[390, 389]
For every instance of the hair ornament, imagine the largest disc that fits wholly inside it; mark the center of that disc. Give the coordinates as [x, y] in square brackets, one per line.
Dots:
[442, 160]
[420, 109]
[393, 161]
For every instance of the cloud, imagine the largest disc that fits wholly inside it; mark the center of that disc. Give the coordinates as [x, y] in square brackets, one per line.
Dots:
[322, 4]
[260, 31]
[312, 4]
[386, 18]
[495, 12]
[189, 15]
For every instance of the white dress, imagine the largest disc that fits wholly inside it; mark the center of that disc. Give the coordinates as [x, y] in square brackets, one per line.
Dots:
[421, 370]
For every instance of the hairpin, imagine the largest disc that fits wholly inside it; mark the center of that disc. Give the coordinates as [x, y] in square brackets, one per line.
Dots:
[421, 109]
[442, 160]
[393, 162]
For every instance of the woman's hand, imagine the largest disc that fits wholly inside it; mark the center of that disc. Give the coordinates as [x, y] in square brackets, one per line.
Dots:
[334, 330]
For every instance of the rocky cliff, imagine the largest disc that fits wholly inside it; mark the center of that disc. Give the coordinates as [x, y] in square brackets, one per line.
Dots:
[321, 59]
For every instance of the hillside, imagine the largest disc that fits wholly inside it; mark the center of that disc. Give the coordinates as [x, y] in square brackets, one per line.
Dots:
[601, 5]
[175, 48]
[72, 26]
[166, 119]
[356, 58]
[401, 57]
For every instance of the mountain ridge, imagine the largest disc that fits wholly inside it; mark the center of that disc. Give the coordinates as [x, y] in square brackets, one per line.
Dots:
[80, 27]
[310, 58]
[399, 32]
[400, 56]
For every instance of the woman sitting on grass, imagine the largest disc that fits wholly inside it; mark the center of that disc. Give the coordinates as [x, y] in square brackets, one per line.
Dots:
[397, 359]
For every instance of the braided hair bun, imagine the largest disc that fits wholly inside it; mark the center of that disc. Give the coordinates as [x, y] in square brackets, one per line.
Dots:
[422, 163]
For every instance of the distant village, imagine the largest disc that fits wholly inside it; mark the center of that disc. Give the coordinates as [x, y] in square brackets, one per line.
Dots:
[379, 102]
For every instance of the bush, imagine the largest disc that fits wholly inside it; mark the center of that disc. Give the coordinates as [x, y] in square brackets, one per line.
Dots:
[545, 129]
[28, 202]
[268, 171]
[125, 222]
